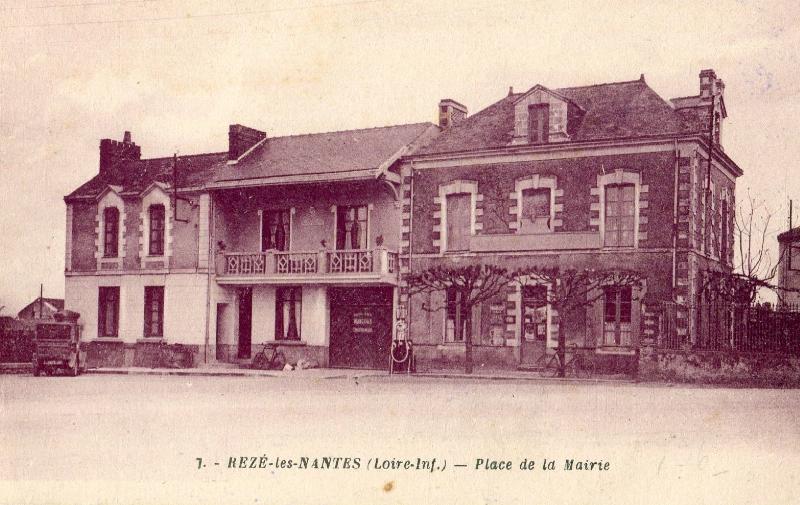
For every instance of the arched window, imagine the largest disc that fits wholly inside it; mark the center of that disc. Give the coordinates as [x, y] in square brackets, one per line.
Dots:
[156, 230]
[110, 232]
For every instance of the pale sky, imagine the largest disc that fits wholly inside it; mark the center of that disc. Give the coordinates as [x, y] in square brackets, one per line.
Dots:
[176, 74]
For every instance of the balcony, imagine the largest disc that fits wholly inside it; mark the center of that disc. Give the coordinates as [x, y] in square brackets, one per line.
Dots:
[377, 265]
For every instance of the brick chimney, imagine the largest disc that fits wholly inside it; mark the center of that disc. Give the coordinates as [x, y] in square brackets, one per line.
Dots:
[112, 152]
[241, 138]
[710, 85]
[451, 113]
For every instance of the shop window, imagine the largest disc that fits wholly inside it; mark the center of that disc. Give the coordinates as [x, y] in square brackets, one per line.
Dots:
[454, 305]
[288, 313]
[108, 312]
[534, 317]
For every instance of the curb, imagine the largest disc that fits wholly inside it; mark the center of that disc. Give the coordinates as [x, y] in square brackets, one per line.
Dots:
[532, 378]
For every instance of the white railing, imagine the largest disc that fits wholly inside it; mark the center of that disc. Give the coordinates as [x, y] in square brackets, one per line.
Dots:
[296, 262]
[324, 262]
[350, 261]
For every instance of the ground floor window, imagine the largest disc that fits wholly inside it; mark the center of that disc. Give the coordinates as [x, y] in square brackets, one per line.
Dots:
[617, 327]
[454, 304]
[108, 312]
[288, 312]
[154, 311]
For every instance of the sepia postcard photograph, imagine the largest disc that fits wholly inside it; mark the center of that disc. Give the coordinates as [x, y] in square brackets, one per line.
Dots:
[399, 252]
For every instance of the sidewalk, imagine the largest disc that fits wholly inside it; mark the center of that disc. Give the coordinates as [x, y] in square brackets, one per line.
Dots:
[348, 373]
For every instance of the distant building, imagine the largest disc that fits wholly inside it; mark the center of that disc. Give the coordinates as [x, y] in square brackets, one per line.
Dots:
[789, 269]
[41, 308]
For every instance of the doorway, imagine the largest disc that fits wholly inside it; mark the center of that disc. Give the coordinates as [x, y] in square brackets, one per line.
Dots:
[361, 327]
[245, 322]
[533, 324]
[222, 329]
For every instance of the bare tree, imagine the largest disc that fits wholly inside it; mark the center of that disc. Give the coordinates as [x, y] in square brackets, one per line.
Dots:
[755, 265]
[470, 285]
[569, 290]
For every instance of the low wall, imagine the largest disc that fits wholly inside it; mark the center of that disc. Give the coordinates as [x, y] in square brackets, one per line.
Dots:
[141, 354]
[721, 367]
[452, 356]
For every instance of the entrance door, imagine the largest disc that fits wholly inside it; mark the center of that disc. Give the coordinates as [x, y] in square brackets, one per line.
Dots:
[245, 321]
[533, 322]
[361, 327]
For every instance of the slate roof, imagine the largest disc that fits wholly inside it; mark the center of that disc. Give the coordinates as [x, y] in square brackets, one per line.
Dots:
[137, 175]
[342, 154]
[317, 156]
[614, 110]
[55, 303]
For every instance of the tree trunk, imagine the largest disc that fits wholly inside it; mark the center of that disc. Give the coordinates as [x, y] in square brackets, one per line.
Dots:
[460, 335]
[561, 350]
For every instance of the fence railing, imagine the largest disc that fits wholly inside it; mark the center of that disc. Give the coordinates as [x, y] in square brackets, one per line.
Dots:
[719, 326]
[335, 262]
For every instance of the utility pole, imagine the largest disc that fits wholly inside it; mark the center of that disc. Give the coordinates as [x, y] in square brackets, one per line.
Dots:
[41, 302]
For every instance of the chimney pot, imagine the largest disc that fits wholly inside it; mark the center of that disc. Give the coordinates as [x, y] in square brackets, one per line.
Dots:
[126, 137]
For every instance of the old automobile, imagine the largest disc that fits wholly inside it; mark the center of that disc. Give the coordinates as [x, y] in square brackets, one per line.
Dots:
[58, 345]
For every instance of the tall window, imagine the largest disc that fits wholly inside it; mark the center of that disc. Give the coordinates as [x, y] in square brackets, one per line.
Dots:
[620, 208]
[617, 316]
[156, 230]
[288, 312]
[539, 122]
[535, 212]
[459, 215]
[275, 230]
[110, 232]
[108, 312]
[351, 227]
[454, 304]
[154, 311]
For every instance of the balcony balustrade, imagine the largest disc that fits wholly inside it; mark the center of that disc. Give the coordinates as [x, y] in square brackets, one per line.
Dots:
[357, 264]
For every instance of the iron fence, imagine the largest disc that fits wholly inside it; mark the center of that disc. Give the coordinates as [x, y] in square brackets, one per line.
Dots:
[720, 326]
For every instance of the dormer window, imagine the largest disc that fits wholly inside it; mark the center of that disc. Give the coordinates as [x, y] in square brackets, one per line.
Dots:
[539, 122]
[110, 232]
[157, 216]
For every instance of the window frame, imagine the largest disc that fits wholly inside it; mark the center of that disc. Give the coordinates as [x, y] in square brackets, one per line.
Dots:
[292, 295]
[265, 226]
[108, 295]
[157, 235]
[149, 299]
[450, 310]
[467, 231]
[619, 186]
[113, 250]
[541, 113]
[617, 293]
[340, 234]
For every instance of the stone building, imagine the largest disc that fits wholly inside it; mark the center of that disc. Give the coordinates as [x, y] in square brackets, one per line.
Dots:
[603, 176]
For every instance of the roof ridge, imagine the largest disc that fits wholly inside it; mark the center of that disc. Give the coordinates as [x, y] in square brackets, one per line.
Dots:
[182, 156]
[605, 84]
[294, 135]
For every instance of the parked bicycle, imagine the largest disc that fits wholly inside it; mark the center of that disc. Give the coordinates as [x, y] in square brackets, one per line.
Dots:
[576, 363]
[268, 358]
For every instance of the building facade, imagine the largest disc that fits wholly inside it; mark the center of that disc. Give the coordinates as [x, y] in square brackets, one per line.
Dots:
[306, 240]
[607, 177]
[292, 240]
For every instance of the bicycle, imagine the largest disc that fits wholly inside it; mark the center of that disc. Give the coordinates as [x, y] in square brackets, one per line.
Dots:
[575, 364]
[275, 360]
